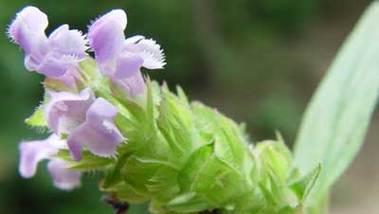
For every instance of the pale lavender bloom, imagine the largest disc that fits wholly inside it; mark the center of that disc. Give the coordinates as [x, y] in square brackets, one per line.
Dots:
[27, 30]
[106, 34]
[147, 49]
[63, 178]
[98, 133]
[70, 78]
[85, 120]
[134, 85]
[32, 152]
[119, 58]
[65, 111]
[53, 55]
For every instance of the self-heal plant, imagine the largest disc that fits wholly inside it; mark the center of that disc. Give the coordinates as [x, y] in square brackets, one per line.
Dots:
[149, 144]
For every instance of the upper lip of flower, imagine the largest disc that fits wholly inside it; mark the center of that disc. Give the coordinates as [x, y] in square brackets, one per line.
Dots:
[62, 49]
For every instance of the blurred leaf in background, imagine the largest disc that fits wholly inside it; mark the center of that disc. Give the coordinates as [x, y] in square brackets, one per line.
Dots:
[337, 119]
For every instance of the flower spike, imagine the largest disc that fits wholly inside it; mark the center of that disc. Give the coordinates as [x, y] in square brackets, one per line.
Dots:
[180, 156]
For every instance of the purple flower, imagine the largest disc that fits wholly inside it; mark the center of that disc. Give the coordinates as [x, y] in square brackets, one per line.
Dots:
[97, 132]
[32, 152]
[63, 178]
[85, 120]
[119, 58]
[65, 111]
[52, 56]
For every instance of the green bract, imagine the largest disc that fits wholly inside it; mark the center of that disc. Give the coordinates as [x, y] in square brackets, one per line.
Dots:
[184, 157]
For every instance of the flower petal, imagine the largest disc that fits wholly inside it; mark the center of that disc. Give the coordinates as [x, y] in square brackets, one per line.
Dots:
[64, 178]
[133, 86]
[106, 35]
[51, 66]
[66, 111]
[127, 66]
[69, 79]
[98, 132]
[147, 49]
[32, 152]
[51, 56]
[68, 42]
[28, 29]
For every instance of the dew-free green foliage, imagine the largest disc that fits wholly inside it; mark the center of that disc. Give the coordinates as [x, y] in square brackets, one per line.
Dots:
[337, 118]
[37, 119]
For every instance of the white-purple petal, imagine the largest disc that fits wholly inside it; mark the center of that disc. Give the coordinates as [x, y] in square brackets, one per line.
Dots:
[69, 78]
[147, 49]
[28, 29]
[51, 66]
[98, 133]
[52, 56]
[66, 111]
[106, 35]
[63, 177]
[127, 66]
[133, 86]
[68, 42]
[32, 152]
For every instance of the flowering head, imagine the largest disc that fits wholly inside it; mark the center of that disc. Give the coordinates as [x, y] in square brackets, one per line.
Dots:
[182, 157]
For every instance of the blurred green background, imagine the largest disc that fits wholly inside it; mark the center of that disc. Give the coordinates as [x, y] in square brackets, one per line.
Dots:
[258, 61]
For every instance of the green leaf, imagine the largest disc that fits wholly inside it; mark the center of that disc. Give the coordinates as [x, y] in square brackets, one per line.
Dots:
[126, 192]
[274, 157]
[175, 123]
[337, 118]
[114, 177]
[303, 186]
[89, 69]
[37, 119]
[89, 162]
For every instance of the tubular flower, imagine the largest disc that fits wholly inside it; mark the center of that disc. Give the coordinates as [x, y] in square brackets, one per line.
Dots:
[32, 152]
[121, 59]
[85, 120]
[65, 111]
[97, 132]
[52, 56]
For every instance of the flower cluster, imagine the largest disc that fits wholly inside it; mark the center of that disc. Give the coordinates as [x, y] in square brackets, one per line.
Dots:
[148, 143]
[77, 118]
